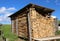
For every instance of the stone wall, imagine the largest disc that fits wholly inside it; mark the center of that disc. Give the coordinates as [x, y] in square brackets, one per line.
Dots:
[41, 26]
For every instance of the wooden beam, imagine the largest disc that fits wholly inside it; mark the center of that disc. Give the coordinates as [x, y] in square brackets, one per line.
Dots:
[17, 26]
[29, 22]
[12, 23]
[47, 38]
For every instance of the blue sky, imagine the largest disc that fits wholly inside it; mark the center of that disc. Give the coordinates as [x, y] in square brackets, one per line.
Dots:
[8, 7]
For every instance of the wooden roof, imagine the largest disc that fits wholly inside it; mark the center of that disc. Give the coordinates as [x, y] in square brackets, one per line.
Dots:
[47, 10]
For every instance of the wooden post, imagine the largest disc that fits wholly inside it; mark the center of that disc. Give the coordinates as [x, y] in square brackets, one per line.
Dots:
[29, 26]
[7, 39]
[17, 26]
[29, 22]
[4, 39]
[12, 22]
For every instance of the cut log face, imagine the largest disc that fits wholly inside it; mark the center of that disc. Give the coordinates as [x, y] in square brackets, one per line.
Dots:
[41, 26]
[21, 25]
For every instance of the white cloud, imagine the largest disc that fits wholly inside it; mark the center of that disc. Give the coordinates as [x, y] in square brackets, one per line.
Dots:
[12, 8]
[2, 9]
[5, 12]
[1, 18]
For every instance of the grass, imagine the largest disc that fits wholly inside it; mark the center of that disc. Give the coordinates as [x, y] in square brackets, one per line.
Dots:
[6, 32]
[58, 32]
[6, 29]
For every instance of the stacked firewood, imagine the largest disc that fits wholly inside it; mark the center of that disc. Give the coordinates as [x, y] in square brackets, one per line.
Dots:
[41, 26]
[22, 26]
